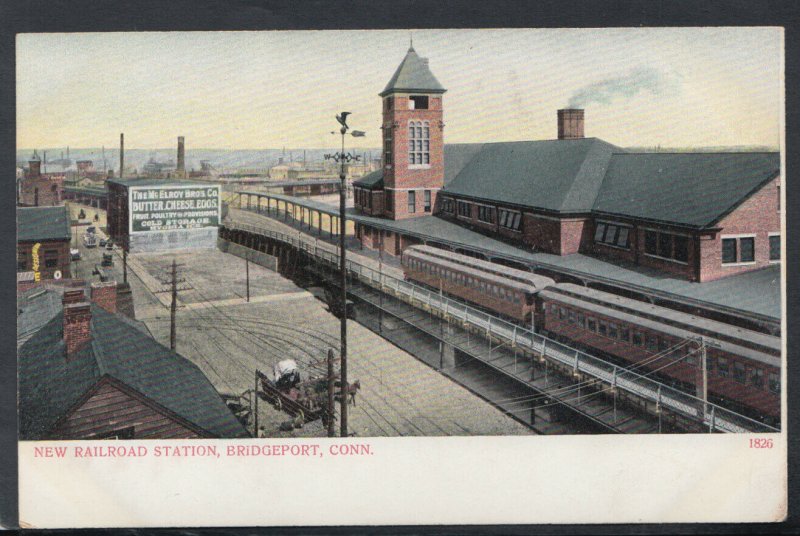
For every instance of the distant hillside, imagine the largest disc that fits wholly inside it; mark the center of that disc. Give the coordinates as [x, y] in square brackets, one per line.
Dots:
[219, 158]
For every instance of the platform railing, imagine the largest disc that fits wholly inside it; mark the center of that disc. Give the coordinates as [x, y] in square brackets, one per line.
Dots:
[714, 417]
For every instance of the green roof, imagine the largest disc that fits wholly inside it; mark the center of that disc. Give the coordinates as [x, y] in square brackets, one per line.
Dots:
[692, 189]
[413, 76]
[551, 175]
[371, 181]
[50, 384]
[42, 223]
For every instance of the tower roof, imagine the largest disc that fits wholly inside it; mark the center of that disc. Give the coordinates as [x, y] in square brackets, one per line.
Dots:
[412, 76]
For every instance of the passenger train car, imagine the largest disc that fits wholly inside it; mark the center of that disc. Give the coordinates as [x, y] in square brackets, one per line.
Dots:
[502, 290]
[743, 366]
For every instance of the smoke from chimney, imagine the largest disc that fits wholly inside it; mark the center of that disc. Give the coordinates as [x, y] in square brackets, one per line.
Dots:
[638, 80]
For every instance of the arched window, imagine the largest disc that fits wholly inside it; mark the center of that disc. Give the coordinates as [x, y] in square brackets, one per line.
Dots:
[419, 143]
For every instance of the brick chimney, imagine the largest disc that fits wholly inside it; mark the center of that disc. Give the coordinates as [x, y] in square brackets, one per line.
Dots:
[77, 321]
[181, 167]
[105, 295]
[570, 124]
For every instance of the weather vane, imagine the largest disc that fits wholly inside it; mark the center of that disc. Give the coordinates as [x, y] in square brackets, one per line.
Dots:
[342, 156]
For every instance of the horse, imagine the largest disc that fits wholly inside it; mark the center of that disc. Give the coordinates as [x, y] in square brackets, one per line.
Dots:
[351, 390]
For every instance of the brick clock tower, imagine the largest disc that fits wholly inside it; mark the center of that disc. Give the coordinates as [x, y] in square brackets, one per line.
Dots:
[413, 139]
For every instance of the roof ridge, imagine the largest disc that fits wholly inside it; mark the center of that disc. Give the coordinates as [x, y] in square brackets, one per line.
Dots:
[631, 153]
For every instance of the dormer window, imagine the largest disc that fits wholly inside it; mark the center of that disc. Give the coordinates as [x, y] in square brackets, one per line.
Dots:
[419, 143]
[418, 103]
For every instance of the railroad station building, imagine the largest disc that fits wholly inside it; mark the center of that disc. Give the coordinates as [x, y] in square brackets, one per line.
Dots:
[43, 238]
[90, 373]
[694, 216]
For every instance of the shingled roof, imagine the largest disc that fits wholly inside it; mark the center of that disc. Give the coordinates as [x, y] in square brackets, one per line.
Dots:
[692, 189]
[50, 384]
[413, 75]
[42, 223]
[551, 175]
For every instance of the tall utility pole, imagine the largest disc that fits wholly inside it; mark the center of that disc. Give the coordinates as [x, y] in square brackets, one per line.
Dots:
[702, 382]
[121, 154]
[331, 396]
[173, 305]
[255, 411]
[247, 273]
[343, 275]
[343, 157]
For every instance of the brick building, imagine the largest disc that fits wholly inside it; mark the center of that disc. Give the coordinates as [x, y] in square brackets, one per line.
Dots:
[37, 189]
[43, 239]
[696, 216]
[89, 373]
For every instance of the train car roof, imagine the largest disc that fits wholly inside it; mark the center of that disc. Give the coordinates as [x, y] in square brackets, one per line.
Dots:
[684, 318]
[475, 272]
[539, 281]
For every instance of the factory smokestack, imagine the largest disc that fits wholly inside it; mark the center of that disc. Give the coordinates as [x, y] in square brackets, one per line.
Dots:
[121, 154]
[570, 124]
[181, 157]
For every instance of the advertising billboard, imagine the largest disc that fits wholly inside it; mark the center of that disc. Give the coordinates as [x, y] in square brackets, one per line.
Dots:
[173, 207]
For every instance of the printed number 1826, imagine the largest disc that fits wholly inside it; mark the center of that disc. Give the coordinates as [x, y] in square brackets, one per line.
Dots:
[760, 443]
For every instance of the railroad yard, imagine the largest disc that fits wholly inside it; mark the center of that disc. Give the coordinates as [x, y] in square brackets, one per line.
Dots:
[229, 338]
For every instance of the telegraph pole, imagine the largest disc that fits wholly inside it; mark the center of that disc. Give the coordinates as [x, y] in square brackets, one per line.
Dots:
[247, 273]
[173, 306]
[255, 412]
[702, 384]
[343, 157]
[331, 396]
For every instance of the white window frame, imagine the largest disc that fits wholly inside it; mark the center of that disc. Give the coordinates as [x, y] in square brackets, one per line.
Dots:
[768, 237]
[418, 123]
[738, 237]
[616, 224]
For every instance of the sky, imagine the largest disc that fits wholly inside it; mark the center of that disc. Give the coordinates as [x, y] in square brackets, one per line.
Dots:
[256, 90]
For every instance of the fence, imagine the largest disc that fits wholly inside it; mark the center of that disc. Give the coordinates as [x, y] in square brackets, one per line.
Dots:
[713, 416]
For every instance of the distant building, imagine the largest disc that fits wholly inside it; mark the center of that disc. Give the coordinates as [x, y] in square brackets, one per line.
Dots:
[696, 216]
[89, 373]
[43, 240]
[38, 189]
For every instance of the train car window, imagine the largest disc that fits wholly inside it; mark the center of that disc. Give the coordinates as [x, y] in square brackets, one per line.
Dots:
[709, 364]
[651, 341]
[599, 232]
[691, 358]
[580, 319]
[571, 317]
[602, 328]
[722, 367]
[591, 324]
[774, 382]
[651, 242]
[637, 338]
[624, 334]
[612, 331]
[738, 371]
[561, 313]
[757, 378]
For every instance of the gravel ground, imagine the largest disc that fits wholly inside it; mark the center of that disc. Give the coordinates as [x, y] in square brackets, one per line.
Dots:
[229, 339]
